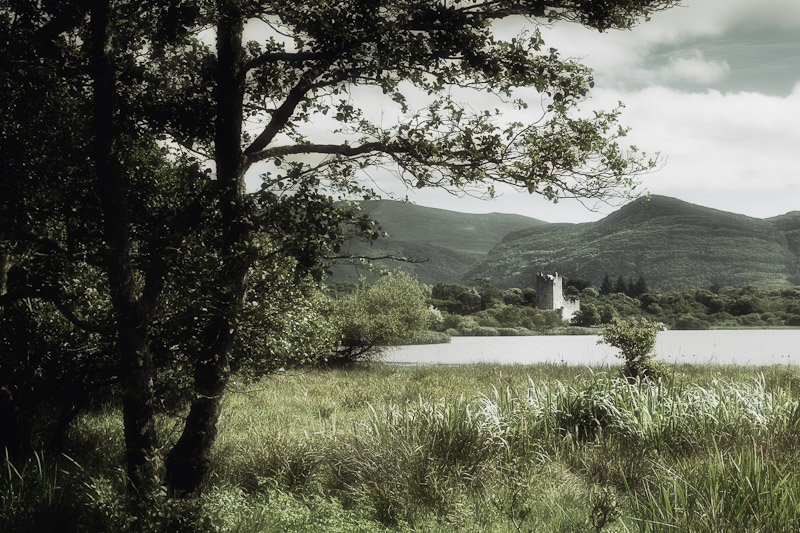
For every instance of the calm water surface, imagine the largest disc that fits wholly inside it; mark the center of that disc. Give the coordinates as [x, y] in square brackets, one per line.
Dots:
[740, 347]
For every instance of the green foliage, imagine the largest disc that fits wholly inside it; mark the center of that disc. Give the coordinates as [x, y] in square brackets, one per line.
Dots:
[606, 287]
[605, 507]
[472, 448]
[687, 309]
[49, 370]
[671, 244]
[635, 339]
[588, 315]
[32, 494]
[371, 318]
[455, 299]
[429, 337]
[286, 320]
[489, 294]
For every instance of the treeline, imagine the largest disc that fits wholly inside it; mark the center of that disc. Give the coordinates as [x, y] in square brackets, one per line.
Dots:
[479, 308]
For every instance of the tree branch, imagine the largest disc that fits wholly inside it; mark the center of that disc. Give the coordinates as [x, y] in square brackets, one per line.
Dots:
[67, 20]
[289, 57]
[283, 114]
[280, 117]
[331, 149]
[53, 296]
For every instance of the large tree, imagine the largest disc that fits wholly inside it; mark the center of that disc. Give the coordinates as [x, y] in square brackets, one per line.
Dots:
[156, 71]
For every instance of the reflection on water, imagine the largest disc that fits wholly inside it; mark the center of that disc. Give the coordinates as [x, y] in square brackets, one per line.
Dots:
[740, 347]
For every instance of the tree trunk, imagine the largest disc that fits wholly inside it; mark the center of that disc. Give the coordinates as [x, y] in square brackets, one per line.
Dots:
[136, 365]
[5, 267]
[189, 460]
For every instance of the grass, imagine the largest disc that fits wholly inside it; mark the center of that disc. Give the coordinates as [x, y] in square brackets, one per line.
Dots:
[469, 448]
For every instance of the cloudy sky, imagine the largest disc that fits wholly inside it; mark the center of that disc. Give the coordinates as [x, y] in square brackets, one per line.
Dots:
[713, 85]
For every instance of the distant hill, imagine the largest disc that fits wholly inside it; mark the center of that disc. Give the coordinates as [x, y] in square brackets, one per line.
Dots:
[463, 232]
[445, 242]
[673, 244]
[789, 225]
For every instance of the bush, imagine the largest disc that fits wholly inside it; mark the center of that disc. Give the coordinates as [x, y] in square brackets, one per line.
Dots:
[480, 331]
[635, 338]
[690, 322]
[388, 313]
[588, 315]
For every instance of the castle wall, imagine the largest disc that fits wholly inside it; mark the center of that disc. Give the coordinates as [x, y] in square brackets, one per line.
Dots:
[550, 296]
[570, 307]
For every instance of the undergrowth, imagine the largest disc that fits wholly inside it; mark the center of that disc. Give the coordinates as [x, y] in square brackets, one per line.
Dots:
[479, 448]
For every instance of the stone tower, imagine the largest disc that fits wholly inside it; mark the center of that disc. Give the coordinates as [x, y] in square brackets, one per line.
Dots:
[550, 296]
[549, 291]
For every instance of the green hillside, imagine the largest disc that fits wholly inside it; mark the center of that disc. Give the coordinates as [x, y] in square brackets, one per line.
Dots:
[445, 243]
[789, 226]
[463, 232]
[672, 243]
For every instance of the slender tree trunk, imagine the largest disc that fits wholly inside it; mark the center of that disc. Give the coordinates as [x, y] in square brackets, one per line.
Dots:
[136, 365]
[5, 267]
[189, 460]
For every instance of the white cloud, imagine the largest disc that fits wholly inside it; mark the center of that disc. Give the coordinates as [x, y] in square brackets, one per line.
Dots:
[732, 151]
[619, 57]
[742, 145]
[692, 67]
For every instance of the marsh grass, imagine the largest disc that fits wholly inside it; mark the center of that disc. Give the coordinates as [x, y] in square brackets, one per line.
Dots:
[473, 448]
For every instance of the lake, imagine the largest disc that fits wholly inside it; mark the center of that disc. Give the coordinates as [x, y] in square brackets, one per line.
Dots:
[739, 347]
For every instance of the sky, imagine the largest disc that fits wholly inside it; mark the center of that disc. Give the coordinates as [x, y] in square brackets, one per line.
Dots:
[711, 85]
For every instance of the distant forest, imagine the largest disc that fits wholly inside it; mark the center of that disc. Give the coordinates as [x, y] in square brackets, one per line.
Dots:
[484, 309]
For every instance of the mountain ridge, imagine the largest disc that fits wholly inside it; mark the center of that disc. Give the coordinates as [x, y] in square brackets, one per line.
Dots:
[672, 243]
[448, 242]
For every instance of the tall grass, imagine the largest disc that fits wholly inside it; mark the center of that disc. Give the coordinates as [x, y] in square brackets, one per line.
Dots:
[733, 490]
[479, 448]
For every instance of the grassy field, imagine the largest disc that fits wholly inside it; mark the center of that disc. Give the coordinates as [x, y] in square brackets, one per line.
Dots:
[471, 448]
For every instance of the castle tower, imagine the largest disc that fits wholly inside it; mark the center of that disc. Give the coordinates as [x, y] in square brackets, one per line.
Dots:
[549, 291]
[550, 296]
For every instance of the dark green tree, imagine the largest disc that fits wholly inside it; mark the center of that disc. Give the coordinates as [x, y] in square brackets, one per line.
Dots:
[621, 285]
[588, 315]
[579, 283]
[489, 294]
[147, 77]
[606, 287]
[638, 288]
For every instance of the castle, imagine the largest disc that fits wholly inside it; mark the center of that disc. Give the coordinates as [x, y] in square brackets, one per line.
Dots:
[550, 296]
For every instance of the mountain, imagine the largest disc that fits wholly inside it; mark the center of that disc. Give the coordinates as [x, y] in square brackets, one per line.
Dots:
[445, 242]
[789, 225]
[673, 244]
[463, 232]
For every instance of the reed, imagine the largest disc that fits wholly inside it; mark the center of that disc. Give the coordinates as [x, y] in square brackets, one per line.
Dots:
[476, 448]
